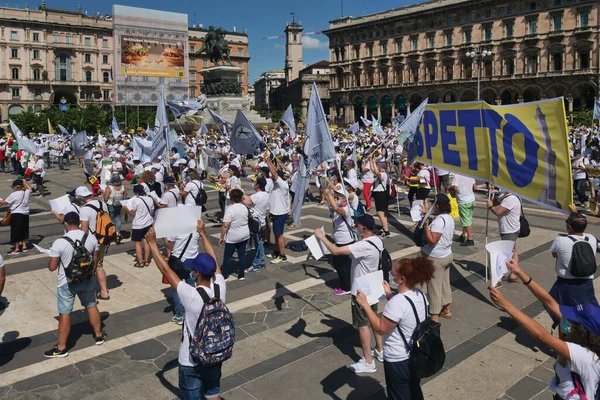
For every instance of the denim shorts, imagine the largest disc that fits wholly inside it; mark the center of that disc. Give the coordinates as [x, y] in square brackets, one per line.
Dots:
[279, 223]
[66, 295]
[198, 381]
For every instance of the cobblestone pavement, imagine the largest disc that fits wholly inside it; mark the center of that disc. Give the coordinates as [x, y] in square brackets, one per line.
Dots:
[293, 336]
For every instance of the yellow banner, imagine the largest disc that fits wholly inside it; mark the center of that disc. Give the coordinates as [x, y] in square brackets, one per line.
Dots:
[522, 148]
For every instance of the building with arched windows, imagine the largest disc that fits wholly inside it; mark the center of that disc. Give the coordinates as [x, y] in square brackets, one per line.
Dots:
[52, 56]
[387, 63]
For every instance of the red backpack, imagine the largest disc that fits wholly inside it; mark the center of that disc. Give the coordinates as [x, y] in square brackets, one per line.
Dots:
[434, 179]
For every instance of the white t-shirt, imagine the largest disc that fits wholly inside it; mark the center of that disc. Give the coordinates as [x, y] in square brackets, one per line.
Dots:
[380, 184]
[179, 243]
[443, 224]
[464, 193]
[171, 198]
[269, 185]
[399, 310]
[424, 178]
[368, 176]
[342, 231]
[279, 201]
[365, 257]
[87, 213]
[586, 364]
[563, 247]
[192, 303]
[19, 201]
[580, 162]
[352, 177]
[142, 217]
[237, 215]
[261, 205]
[63, 249]
[509, 222]
[192, 188]
[40, 167]
[441, 172]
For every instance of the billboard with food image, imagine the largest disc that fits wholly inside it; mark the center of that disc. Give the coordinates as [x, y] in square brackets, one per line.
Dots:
[143, 56]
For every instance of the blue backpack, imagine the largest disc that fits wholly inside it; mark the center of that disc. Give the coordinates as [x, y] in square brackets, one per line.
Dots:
[360, 210]
[214, 335]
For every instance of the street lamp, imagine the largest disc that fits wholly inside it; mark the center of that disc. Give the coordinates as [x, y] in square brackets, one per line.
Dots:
[478, 54]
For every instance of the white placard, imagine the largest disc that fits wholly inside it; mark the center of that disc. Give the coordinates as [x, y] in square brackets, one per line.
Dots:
[175, 221]
[126, 203]
[371, 285]
[415, 211]
[60, 204]
[316, 247]
[42, 250]
[499, 252]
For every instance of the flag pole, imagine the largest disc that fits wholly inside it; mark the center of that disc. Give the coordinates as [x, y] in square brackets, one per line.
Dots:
[126, 78]
[137, 90]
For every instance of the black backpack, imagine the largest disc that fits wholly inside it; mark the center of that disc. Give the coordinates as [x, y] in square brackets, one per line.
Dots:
[385, 261]
[201, 198]
[419, 233]
[583, 258]
[81, 267]
[427, 355]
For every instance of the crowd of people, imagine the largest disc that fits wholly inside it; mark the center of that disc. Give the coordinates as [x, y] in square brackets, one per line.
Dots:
[358, 185]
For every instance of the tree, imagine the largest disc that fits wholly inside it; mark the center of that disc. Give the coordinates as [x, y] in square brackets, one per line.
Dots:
[276, 116]
[297, 115]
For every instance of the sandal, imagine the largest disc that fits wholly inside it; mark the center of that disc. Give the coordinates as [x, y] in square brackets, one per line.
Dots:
[446, 314]
[139, 265]
[99, 297]
[146, 263]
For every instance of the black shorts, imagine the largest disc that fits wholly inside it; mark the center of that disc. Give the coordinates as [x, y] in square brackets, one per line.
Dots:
[137, 235]
[381, 200]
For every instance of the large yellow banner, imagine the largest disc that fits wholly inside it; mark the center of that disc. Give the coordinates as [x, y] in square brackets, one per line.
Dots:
[522, 148]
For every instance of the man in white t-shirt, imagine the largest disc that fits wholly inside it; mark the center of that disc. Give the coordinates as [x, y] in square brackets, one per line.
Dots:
[88, 214]
[278, 207]
[61, 254]
[508, 210]
[444, 179]
[580, 165]
[259, 205]
[39, 172]
[194, 379]
[171, 197]
[464, 187]
[572, 290]
[365, 260]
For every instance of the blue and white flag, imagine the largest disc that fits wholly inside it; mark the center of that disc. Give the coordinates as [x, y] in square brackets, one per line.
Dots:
[288, 119]
[24, 143]
[365, 121]
[596, 109]
[161, 127]
[142, 149]
[244, 136]
[377, 130]
[179, 108]
[354, 128]
[217, 119]
[409, 126]
[114, 127]
[203, 129]
[318, 147]
[63, 130]
[79, 142]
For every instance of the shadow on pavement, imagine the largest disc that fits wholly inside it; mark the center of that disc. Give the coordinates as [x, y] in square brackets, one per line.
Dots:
[11, 345]
[164, 381]
[523, 338]
[464, 284]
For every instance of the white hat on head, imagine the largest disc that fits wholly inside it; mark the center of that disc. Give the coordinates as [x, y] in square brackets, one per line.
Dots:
[156, 166]
[83, 191]
[98, 156]
[40, 153]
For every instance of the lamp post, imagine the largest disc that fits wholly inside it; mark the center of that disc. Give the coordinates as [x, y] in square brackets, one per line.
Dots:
[478, 54]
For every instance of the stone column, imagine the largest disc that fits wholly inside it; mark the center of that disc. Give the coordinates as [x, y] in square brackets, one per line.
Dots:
[348, 114]
[378, 110]
[570, 101]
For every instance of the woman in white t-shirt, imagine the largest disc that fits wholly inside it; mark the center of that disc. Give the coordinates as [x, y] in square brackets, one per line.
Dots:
[235, 233]
[438, 236]
[398, 323]
[141, 208]
[381, 195]
[191, 189]
[578, 344]
[18, 201]
[367, 179]
[343, 235]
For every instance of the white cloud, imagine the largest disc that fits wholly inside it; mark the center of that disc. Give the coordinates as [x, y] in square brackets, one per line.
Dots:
[309, 42]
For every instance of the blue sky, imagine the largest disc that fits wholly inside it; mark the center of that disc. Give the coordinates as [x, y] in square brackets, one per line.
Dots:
[261, 19]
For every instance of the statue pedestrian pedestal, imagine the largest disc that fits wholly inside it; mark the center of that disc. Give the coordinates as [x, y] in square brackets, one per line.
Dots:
[223, 90]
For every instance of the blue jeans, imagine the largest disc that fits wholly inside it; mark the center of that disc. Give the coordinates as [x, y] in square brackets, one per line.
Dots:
[579, 190]
[400, 382]
[230, 248]
[179, 311]
[198, 381]
[259, 257]
[67, 157]
[60, 162]
[115, 216]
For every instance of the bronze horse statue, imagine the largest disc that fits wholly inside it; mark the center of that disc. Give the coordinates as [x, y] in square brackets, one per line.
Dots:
[216, 47]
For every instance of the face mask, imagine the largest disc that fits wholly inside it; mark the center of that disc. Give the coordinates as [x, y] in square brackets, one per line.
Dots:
[565, 326]
[339, 203]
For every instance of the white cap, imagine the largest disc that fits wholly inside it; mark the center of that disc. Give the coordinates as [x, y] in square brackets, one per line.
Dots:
[156, 166]
[160, 158]
[98, 156]
[83, 191]
[221, 141]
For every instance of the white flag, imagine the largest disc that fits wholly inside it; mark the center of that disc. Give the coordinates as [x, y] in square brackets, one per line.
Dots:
[288, 119]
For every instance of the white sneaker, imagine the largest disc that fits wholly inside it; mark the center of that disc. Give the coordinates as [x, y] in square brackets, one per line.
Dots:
[377, 354]
[361, 367]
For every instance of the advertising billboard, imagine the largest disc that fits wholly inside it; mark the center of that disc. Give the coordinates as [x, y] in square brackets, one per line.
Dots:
[142, 56]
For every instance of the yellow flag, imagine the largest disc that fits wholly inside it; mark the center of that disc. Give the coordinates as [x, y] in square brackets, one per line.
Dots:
[50, 130]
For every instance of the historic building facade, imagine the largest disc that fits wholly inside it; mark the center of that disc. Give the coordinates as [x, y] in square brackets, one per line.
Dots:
[53, 56]
[386, 63]
[238, 43]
